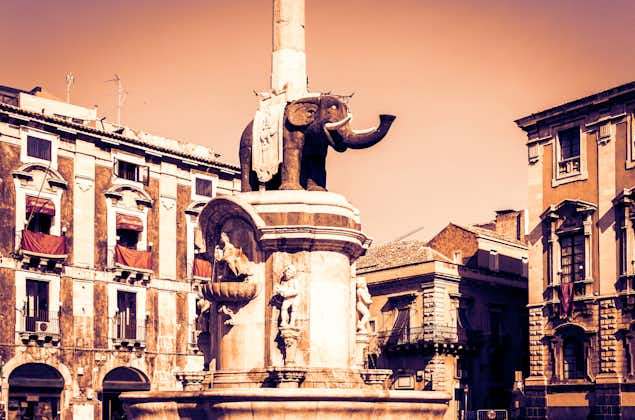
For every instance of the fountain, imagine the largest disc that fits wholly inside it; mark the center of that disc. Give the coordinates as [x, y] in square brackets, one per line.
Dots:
[288, 320]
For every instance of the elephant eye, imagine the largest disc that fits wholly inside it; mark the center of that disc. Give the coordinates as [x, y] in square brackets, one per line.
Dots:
[333, 106]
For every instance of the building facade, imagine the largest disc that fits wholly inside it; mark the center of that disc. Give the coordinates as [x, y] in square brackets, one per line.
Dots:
[581, 293]
[448, 314]
[98, 258]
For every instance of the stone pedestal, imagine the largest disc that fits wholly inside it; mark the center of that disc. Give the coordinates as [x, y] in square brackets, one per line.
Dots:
[318, 233]
[362, 342]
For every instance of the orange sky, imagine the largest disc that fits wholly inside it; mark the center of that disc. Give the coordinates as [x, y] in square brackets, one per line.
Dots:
[455, 73]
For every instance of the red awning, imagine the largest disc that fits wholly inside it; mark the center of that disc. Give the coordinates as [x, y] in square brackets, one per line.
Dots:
[40, 205]
[202, 268]
[133, 258]
[42, 243]
[129, 222]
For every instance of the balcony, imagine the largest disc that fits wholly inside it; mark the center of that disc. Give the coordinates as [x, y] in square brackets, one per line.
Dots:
[201, 271]
[417, 337]
[41, 250]
[569, 166]
[131, 264]
[127, 334]
[41, 326]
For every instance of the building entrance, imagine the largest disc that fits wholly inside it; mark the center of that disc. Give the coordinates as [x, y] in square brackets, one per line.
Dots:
[120, 380]
[34, 392]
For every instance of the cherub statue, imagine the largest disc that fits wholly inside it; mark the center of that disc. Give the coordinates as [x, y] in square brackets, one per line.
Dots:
[234, 258]
[288, 291]
[363, 301]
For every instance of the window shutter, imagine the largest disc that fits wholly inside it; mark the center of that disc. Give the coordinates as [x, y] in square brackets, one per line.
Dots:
[115, 167]
[144, 174]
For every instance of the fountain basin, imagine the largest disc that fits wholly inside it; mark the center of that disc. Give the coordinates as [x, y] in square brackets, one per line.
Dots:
[287, 404]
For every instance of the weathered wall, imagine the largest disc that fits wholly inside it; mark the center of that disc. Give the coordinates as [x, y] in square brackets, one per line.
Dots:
[103, 176]
[10, 155]
[453, 238]
[183, 200]
[7, 315]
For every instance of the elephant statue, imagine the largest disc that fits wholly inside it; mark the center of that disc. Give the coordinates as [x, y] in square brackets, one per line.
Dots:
[310, 125]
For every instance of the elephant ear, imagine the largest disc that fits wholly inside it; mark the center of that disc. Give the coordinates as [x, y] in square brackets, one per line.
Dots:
[301, 113]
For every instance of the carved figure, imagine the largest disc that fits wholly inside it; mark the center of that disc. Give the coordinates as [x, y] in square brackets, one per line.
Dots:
[225, 310]
[234, 258]
[288, 291]
[363, 301]
[310, 125]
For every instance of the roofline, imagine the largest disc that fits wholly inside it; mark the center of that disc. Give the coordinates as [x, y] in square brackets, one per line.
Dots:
[593, 99]
[492, 238]
[103, 133]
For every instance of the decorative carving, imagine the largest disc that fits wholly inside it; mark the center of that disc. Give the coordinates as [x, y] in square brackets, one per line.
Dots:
[288, 293]
[266, 151]
[230, 291]
[375, 376]
[363, 301]
[192, 380]
[168, 203]
[287, 377]
[232, 259]
[225, 310]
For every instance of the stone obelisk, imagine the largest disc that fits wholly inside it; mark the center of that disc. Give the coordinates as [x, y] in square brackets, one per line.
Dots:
[288, 61]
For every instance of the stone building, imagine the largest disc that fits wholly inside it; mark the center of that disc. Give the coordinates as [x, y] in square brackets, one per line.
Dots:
[98, 246]
[581, 293]
[450, 314]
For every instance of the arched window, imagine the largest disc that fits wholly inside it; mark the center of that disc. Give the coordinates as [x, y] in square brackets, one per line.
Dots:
[573, 358]
[35, 391]
[571, 353]
[120, 380]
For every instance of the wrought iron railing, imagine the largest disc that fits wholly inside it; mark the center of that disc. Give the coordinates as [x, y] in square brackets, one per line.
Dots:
[432, 334]
[41, 322]
[126, 330]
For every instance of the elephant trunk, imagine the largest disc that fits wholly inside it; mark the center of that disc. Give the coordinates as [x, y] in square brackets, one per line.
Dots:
[357, 139]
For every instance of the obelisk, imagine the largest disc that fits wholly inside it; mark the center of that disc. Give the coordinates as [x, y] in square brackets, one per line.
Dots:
[288, 61]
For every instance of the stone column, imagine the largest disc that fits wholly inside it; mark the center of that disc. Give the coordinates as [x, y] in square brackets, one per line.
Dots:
[288, 61]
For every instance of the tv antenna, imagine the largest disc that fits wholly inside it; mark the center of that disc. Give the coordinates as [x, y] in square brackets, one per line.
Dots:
[121, 96]
[412, 232]
[70, 78]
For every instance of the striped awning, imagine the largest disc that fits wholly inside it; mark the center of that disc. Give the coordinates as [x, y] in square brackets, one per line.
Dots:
[125, 221]
[40, 205]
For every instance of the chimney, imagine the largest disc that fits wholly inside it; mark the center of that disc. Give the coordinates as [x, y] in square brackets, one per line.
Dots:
[511, 224]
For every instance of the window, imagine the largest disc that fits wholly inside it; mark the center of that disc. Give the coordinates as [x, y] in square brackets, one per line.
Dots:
[132, 171]
[572, 261]
[569, 161]
[573, 358]
[38, 222]
[38, 148]
[457, 257]
[204, 187]
[128, 230]
[493, 260]
[126, 315]
[37, 304]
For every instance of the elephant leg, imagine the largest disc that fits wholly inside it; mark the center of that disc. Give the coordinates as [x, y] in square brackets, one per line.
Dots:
[316, 180]
[292, 157]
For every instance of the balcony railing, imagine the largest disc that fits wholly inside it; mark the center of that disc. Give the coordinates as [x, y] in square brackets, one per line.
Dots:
[127, 333]
[431, 334]
[569, 166]
[40, 325]
[41, 249]
[131, 264]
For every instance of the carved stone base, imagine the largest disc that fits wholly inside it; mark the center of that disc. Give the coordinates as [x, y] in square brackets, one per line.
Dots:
[290, 336]
[193, 380]
[287, 377]
[362, 341]
[375, 377]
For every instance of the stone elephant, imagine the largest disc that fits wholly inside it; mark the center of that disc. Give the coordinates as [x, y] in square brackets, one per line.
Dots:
[311, 124]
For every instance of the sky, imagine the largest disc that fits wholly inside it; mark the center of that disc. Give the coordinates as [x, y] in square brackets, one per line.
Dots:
[456, 74]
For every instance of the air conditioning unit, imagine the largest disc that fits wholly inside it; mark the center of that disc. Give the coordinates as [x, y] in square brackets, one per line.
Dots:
[41, 326]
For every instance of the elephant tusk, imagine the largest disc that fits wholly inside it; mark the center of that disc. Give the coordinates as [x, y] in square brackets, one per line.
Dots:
[338, 124]
[366, 131]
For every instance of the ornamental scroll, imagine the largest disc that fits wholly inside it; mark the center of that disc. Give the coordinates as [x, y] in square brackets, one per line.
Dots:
[266, 152]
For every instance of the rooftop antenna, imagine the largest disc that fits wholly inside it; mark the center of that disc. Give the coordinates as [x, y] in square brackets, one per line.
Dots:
[121, 96]
[70, 78]
[412, 232]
